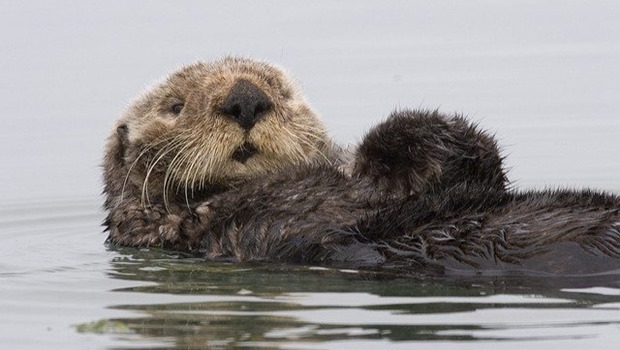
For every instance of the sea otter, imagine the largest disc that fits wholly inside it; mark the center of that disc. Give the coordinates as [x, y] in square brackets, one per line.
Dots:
[236, 124]
[226, 160]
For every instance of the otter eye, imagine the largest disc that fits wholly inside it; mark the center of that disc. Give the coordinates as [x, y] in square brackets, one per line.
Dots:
[177, 108]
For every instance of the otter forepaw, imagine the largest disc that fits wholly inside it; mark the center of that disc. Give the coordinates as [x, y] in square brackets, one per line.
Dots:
[204, 211]
[169, 231]
[134, 225]
[404, 153]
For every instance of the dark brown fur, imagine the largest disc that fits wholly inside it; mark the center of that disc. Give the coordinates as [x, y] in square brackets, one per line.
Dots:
[466, 229]
[414, 151]
[474, 230]
[426, 193]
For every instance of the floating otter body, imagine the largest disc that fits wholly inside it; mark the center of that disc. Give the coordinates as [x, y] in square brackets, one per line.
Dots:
[463, 230]
[227, 161]
[473, 230]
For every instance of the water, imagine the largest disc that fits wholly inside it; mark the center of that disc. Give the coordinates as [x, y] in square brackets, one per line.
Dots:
[545, 77]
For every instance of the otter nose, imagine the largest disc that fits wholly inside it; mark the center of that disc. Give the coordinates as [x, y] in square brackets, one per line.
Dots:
[246, 104]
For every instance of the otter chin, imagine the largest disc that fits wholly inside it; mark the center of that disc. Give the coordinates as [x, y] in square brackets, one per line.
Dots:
[227, 161]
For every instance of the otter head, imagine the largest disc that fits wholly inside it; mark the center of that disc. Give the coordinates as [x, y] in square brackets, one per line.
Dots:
[209, 126]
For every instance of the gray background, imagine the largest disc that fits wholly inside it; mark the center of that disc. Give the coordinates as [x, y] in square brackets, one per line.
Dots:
[544, 76]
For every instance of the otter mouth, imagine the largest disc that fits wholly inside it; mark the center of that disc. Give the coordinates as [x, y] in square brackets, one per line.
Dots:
[245, 152]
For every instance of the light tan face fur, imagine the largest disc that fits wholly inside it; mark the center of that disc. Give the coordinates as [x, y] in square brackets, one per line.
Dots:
[194, 149]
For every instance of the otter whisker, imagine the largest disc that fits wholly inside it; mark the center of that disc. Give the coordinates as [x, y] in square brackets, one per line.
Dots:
[204, 155]
[148, 147]
[173, 169]
[184, 165]
[312, 145]
[156, 158]
[177, 171]
[192, 173]
[301, 155]
[182, 173]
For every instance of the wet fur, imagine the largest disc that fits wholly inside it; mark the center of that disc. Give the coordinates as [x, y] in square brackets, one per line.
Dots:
[425, 194]
[416, 150]
[463, 230]
[474, 230]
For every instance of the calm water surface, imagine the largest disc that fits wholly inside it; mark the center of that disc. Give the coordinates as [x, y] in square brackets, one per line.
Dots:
[545, 77]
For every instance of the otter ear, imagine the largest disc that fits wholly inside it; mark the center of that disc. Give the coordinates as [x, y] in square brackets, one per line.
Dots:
[122, 141]
[116, 147]
[114, 163]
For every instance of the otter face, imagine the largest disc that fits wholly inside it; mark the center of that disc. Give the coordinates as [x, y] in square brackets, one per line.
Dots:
[210, 125]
